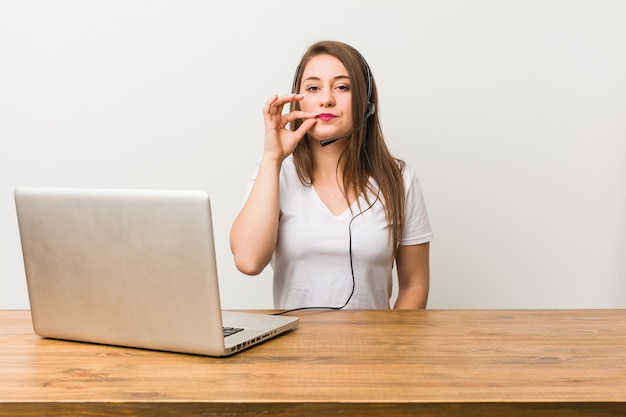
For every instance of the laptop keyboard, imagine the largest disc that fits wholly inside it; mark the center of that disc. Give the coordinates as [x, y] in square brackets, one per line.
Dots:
[229, 331]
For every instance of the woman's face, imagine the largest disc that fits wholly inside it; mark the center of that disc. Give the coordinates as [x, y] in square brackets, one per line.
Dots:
[327, 91]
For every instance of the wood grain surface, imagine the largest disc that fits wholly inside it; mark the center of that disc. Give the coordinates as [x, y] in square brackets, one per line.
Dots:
[345, 363]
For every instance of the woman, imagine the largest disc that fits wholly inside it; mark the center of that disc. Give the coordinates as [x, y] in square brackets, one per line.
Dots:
[329, 206]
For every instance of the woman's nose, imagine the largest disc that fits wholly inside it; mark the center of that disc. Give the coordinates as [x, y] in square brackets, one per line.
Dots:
[327, 98]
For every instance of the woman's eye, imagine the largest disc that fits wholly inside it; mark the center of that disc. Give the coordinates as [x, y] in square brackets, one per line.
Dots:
[343, 87]
[312, 88]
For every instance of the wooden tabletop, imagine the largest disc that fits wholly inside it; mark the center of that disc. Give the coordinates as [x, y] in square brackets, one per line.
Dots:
[348, 363]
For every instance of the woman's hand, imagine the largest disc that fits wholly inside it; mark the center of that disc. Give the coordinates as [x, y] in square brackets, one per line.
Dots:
[280, 142]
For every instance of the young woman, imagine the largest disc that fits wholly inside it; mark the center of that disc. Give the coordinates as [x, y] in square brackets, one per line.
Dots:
[329, 207]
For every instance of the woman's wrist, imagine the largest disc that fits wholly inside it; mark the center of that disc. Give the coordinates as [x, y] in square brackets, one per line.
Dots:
[271, 161]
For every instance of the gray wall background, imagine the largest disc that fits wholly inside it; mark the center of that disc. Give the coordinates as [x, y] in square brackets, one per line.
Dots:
[513, 114]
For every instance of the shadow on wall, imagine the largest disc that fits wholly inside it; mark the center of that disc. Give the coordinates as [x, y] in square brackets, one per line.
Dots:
[620, 294]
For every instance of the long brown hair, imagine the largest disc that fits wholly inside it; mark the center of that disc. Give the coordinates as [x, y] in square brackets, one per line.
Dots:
[366, 154]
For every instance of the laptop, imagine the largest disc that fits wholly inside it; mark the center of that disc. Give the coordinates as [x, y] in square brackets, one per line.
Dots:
[132, 268]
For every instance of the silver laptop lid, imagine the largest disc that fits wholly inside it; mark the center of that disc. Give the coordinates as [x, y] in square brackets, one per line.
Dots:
[123, 267]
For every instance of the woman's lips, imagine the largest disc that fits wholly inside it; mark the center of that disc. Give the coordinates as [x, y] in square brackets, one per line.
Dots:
[326, 116]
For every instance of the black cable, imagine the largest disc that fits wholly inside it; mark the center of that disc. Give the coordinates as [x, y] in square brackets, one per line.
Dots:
[349, 252]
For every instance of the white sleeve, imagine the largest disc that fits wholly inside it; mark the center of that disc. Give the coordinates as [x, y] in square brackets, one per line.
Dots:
[416, 228]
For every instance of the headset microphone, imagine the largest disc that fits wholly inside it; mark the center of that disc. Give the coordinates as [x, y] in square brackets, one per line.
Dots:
[371, 108]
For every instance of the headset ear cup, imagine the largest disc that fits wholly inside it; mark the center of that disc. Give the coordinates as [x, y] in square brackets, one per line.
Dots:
[371, 109]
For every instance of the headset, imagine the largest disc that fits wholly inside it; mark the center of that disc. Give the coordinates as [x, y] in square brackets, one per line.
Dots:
[371, 107]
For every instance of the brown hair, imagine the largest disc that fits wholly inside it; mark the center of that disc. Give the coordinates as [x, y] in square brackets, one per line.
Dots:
[366, 154]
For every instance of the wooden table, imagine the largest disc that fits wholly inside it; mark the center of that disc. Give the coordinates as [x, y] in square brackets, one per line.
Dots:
[345, 363]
